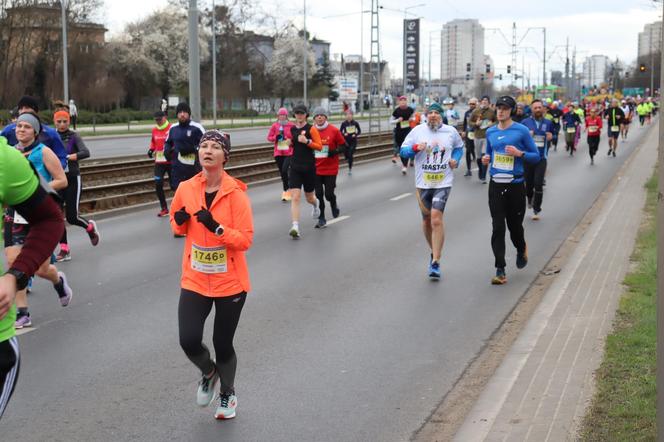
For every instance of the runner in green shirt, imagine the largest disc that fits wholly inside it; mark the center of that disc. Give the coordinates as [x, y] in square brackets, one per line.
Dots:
[21, 189]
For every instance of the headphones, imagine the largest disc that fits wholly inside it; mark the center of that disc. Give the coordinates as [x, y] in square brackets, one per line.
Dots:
[509, 101]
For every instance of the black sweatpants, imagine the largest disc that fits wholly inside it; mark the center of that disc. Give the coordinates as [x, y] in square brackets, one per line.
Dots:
[283, 162]
[160, 171]
[535, 174]
[71, 196]
[10, 362]
[593, 145]
[193, 310]
[507, 203]
[325, 185]
[470, 153]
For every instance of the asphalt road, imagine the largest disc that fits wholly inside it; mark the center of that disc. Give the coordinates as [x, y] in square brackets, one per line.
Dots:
[342, 338]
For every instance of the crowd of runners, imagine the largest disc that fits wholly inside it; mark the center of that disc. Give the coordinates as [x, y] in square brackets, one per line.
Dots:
[507, 145]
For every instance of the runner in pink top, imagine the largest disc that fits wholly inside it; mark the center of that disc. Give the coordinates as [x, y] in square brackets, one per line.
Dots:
[280, 135]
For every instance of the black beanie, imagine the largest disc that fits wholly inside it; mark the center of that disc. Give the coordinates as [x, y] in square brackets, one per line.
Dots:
[183, 107]
[28, 101]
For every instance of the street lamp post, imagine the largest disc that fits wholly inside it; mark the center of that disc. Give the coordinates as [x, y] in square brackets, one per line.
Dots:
[305, 52]
[194, 63]
[214, 65]
[65, 65]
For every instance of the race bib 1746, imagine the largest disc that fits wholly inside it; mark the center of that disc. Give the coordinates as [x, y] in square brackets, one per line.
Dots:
[208, 259]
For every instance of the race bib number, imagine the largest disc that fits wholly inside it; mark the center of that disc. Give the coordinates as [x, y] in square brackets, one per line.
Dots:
[503, 162]
[209, 259]
[593, 128]
[323, 153]
[404, 124]
[539, 140]
[471, 135]
[484, 124]
[350, 130]
[615, 128]
[556, 120]
[433, 178]
[18, 219]
[283, 145]
[160, 157]
[189, 159]
[571, 130]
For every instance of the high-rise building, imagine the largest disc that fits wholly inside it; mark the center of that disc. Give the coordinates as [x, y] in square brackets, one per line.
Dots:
[462, 47]
[595, 70]
[650, 39]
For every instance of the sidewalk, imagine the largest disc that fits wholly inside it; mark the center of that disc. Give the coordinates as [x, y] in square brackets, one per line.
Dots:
[541, 389]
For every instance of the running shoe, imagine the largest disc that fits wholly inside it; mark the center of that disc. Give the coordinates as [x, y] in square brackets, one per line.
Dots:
[468, 173]
[294, 232]
[394, 159]
[350, 172]
[412, 163]
[93, 232]
[64, 291]
[500, 277]
[226, 407]
[315, 211]
[335, 212]
[22, 321]
[522, 258]
[206, 386]
[63, 256]
[321, 223]
[287, 196]
[404, 170]
[162, 213]
[530, 203]
[434, 270]
[608, 154]
[536, 216]
[614, 154]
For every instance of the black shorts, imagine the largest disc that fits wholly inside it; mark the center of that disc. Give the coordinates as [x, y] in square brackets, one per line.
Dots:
[433, 198]
[613, 134]
[161, 169]
[302, 177]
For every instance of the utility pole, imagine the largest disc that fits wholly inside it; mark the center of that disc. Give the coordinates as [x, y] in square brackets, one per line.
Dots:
[544, 60]
[514, 54]
[361, 82]
[65, 63]
[574, 70]
[214, 65]
[194, 63]
[305, 52]
[567, 84]
[652, 66]
[660, 259]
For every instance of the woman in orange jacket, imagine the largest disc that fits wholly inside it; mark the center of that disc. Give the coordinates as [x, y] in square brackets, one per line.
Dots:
[212, 209]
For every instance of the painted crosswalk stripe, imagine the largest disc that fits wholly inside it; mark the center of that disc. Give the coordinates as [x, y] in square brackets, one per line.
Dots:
[400, 197]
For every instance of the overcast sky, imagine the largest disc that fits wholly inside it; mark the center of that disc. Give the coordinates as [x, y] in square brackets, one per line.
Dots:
[607, 27]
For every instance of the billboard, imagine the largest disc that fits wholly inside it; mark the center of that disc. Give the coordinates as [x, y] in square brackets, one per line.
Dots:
[411, 54]
[347, 88]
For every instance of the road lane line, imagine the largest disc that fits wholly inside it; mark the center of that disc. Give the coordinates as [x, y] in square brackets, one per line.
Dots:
[339, 219]
[400, 197]
[26, 330]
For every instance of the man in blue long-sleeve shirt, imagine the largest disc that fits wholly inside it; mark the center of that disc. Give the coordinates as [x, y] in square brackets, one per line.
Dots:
[437, 149]
[509, 145]
[180, 146]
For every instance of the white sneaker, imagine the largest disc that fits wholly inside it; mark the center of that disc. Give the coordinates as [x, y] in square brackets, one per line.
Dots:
[206, 387]
[404, 170]
[227, 406]
[294, 231]
[315, 212]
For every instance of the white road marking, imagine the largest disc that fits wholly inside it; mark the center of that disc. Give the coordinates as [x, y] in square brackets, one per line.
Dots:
[25, 330]
[400, 197]
[336, 220]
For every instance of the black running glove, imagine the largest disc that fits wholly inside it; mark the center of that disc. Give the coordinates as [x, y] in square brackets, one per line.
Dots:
[150, 153]
[181, 216]
[204, 217]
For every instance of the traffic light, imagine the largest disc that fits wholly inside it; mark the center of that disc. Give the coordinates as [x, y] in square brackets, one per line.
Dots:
[467, 77]
[642, 67]
[488, 68]
[626, 74]
[500, 76]
[467, 67]
[509, 69]
[482, 77]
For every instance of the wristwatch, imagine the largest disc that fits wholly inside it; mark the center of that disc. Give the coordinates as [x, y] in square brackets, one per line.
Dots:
[21, 278]
[219, 230]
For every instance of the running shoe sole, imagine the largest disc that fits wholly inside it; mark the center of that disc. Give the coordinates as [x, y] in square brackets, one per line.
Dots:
[96, 240]
[62, 258]
[19, 325]
[498, 281]
[294, 234]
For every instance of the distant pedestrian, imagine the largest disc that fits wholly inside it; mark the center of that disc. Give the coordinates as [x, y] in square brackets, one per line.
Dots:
[73, 112]
[351, 130]
[280, 135]
[180, 146]
[161, 165]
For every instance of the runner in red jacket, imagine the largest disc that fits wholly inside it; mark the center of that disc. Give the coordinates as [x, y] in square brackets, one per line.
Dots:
[327, 163]
[161, 165]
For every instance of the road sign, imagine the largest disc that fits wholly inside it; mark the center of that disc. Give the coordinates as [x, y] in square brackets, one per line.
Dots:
[411, 44]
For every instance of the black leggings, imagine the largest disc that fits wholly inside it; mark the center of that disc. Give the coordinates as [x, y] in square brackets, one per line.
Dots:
[325, 185]
[71, 196]
[349, 153]
[193, 310]
[507, 203]
[160, 171]
[283, 162]
[535, 183]
[470, 153]
[10, 363]
[593, 144]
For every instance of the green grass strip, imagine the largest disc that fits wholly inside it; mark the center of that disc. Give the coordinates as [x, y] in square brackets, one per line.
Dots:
[623, 408]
